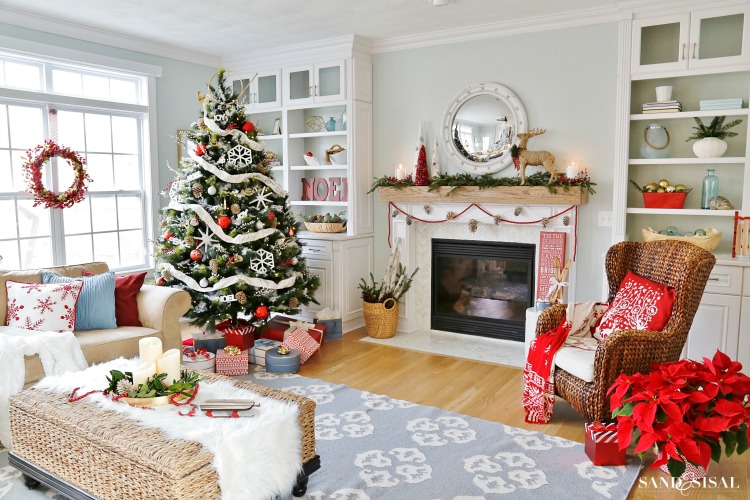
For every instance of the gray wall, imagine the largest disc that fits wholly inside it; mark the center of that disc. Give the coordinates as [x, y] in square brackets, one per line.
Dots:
[567, 82]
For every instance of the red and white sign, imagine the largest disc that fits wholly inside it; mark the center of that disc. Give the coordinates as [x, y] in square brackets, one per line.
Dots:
[551, 245]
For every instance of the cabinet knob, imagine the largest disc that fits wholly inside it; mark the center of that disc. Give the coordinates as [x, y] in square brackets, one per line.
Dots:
[684, 46]
[695, 46]
[310, 93]
[316, 90]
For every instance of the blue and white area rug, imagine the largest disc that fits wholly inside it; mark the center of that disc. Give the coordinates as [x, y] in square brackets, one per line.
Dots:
[372, 446]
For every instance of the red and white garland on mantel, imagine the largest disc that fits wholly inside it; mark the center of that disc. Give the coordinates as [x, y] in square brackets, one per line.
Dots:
[394, 210]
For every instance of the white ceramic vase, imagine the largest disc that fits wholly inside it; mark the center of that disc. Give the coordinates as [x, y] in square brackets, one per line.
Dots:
[709, 147]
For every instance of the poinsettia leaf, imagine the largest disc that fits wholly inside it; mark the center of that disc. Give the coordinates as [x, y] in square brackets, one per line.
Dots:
[698, 397]
[730, 442]
[705, 451]
[646, 442]
[676, 468]
[715, 450]
[729, 408]
[690, 450]
[713, 424]
[742, 440]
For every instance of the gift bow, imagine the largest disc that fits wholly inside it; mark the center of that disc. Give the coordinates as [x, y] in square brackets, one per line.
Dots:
[300, 324]
[191, 354]
[232, 350]
[555, 285]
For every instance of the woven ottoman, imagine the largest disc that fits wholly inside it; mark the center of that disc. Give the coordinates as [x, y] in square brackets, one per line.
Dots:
[79, 450]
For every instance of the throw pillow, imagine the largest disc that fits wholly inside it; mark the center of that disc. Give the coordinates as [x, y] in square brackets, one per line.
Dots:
[300, 340]
[126, 293]
[640, 304]
[36, 306]
[96, 305]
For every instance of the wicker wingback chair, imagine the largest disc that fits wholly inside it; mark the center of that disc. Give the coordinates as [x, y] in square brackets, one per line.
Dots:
[678, 264]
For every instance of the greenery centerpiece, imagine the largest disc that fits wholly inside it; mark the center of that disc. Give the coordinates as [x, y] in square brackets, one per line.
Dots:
[121, 386]
[710, 139]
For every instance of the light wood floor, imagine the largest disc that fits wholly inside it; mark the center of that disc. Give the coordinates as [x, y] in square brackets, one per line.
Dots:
[482, 390]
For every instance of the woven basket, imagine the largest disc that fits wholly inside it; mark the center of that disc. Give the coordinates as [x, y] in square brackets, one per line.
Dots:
[326, 227]
[708, 242]
[336, 155]
[381, 318]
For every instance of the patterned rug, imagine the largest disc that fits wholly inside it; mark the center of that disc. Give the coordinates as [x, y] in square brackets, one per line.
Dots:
[372, 446]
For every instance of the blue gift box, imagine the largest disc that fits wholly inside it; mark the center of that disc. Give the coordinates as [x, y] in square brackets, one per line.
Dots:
[282, 363]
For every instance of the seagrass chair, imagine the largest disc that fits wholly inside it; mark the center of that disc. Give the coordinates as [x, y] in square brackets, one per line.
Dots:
[677, 264]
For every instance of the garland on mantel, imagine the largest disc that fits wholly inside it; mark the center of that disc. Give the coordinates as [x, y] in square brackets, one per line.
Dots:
[394, 210]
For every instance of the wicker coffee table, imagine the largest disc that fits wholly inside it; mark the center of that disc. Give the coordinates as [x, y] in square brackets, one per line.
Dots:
[76, 449]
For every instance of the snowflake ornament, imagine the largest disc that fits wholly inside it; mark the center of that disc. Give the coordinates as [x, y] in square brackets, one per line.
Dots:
[263, 262]
[240, 156]
[206, 239]
[262, 198]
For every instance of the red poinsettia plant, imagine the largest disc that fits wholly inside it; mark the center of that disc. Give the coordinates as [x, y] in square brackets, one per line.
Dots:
[686, 409]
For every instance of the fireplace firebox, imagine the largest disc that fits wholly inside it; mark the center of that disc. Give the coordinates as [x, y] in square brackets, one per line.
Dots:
[482, 288]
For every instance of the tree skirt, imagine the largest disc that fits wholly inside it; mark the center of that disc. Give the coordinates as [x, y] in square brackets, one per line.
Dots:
[373, 446]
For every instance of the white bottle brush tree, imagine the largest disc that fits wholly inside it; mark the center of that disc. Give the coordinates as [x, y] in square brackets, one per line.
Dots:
[228, 231]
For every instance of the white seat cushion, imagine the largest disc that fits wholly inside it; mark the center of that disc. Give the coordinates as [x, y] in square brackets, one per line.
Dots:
[576, 357]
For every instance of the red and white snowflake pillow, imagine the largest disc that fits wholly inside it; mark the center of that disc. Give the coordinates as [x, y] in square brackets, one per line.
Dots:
[39, 306]
[640, 304]
[300, 340]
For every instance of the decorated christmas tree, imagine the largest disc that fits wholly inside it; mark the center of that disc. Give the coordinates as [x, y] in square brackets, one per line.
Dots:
[228, 232]
[422, 176]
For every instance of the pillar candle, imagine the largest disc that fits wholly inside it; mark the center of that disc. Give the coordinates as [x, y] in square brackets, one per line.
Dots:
[169, 363]
[143, 372]
[149, 349]
[571, 171]
[399, 172]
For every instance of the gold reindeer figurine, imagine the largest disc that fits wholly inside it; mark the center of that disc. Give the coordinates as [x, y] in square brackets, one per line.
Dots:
[534, 158]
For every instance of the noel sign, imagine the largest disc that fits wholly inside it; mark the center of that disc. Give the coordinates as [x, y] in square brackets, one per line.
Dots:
[551, 245]
[321, 189]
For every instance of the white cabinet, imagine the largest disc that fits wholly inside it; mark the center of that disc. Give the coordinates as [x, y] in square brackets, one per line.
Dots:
[315, 83]
[743, 346]
[261, 92]
[691, 40]
[340, 262]
[715, 326]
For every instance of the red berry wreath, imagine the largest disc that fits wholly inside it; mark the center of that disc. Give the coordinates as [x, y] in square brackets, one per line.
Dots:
[32, 169]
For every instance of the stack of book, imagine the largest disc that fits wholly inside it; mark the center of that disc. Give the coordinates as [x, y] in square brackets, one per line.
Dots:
[662, 107]
[712, 104]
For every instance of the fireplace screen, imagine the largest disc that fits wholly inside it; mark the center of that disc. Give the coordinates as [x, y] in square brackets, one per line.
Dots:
[482, 288]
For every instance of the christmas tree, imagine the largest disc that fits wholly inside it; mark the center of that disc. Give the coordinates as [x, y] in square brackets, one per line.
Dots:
[229, 231]
[422, 176]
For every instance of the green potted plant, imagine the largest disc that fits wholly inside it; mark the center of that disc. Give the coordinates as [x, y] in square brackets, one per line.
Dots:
[710, 139]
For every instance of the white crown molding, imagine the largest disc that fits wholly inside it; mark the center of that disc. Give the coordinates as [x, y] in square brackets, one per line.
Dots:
[502, 28]
[650, 7]
[24, 19]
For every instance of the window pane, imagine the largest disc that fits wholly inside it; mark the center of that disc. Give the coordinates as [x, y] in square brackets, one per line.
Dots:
[36, 253]
[103, 213]
[130, 212]
[127, 172]
[100, 170]
[26, 128]
[66, 82]
[131, 248]
[105, 248]
[16, 162]
[124, 91]
[7, 219]
[98, 133]
[77, 218]
[23, 76]
[6, 173]
[65, 173]
[95, 87]
[125, 134]
[32, 221]
[70, 130]
[78, 249]
[2, 73]
[4, 138]
[9, 254]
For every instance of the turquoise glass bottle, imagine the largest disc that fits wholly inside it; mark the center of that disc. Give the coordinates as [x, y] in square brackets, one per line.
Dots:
[710, 188]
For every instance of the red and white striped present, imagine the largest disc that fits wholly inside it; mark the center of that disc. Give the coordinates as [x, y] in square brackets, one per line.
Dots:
[241, 335]
[227, 364]
[301, 341]
[602, 446]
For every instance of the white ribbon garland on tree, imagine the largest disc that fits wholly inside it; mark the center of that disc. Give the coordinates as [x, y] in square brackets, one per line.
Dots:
[237, 133]
[234, 178]
[232, 280]
[218, 231]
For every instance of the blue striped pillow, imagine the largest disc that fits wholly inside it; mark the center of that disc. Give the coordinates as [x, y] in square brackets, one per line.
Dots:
[96, 304]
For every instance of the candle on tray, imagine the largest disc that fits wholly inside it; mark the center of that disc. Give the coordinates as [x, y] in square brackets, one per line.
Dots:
[143, 372]
[149, 349]
[571, 172]
[169, 363]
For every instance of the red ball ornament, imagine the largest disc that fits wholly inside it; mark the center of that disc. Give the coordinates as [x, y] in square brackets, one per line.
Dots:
[196, 254]
[200, 150]
[261, 312]
[224, 222]
[161, 282]
[271, 216]
[248, 127]
[168, 235]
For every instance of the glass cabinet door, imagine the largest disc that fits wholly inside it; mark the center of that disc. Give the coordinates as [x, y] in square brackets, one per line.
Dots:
[298, 84]
[329, 85]
[719, 37]
[267, 91]
[660, 44]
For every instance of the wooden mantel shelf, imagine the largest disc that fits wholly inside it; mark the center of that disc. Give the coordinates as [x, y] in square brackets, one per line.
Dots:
[503, 195]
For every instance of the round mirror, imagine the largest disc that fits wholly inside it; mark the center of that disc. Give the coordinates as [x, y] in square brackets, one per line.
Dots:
[481, 125]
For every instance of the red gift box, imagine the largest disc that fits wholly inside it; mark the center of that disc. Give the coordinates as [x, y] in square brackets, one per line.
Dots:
[602, 447]
[278, 328]
[226, 364]
[241, 335]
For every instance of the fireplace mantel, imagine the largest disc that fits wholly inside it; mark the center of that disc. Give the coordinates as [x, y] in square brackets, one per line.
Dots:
[532, 195]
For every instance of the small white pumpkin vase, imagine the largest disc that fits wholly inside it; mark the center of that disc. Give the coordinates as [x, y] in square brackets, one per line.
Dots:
[709, 147]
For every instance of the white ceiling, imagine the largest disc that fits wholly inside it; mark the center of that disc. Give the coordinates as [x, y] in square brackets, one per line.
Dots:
[233, 27]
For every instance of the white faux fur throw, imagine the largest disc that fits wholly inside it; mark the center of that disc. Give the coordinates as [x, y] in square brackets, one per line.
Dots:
[255, 458]
[58, 351]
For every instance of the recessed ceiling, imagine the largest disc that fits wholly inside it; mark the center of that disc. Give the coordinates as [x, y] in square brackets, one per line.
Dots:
[237, 27]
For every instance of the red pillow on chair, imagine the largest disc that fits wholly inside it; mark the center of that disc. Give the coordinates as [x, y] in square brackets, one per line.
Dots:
[640, 304]
[126, 291]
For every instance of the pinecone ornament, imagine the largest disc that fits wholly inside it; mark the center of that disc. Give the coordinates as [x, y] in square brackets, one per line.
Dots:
[545, 222]
[293, 303]
[450, 216]
[234, 208]
[198, 190]
[241, 298]
[124, 386]
[189, 241]
[498, 220]
[517, 211]
[213, 264]
[394, 214]
[409, 220]
[427, 209]
[566, 220]
[473, 224]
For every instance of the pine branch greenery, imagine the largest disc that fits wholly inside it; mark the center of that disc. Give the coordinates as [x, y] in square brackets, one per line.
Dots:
[715, 129]
[396, 282]
[155, 387]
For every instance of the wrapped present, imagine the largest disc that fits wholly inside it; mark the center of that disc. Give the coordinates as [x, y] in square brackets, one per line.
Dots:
[301, 341]
[331, 319]
[187, 342]
[281, 326]
[282, 363]
[211, 342]
[241, 335]
[259, 350]
[232, 361]
[602, 447]
[198, 359]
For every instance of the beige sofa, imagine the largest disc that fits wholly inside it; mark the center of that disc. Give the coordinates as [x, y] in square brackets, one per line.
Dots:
[159, 311]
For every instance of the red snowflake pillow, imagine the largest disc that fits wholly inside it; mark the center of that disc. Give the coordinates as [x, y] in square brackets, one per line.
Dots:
[640, 304]
[40, 306]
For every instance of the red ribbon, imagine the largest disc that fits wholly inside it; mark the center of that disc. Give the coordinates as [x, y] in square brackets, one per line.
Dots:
[195, 354]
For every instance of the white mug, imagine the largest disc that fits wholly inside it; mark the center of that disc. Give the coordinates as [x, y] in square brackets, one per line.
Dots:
[663, 93]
